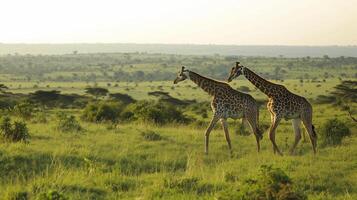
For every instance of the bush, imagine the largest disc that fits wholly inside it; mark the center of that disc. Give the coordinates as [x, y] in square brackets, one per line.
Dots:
[18, 195]
[24, 110]
[201, 109]
[7, 104]
[271, 183]
[14, 132]
[68, 123]
[103, 111]
[333, 131]
[155, 112]
[51, 195]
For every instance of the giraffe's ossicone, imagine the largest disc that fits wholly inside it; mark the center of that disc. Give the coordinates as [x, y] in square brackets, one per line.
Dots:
[226, 103]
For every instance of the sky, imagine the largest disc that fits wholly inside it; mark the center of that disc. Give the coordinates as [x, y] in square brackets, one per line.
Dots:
[238, 22]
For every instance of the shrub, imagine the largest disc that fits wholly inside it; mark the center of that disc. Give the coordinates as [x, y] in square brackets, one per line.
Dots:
[333, 131]
[158, 113]
[7, 104]
[124, 98]
[51, 195]
[14, 132]
[151, 136]
[271, 183]
[24, 110]
[103, 111]
[68, 123]
[200, 109]
[18, 195]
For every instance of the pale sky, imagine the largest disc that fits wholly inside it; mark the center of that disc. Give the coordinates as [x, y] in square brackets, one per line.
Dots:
[240, 22]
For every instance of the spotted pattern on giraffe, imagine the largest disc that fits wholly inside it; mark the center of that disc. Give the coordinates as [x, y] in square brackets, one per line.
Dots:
[226, 103]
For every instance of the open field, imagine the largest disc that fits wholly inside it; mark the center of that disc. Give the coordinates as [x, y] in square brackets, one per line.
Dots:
[130, 158]
[102, 163]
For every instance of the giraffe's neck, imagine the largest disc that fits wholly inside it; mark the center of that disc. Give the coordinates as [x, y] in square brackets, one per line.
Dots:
[208, 85]
[263, 85]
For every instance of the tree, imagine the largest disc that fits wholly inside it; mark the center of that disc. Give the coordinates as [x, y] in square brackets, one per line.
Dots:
[45, 97]
[96, 91]
[346, 92]
[126, 99]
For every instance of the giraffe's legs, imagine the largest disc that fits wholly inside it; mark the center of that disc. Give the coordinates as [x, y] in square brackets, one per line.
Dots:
[253, 125]
[226, 133]
[275, 121]
[308, 126]
[208, 131]
[296, 125]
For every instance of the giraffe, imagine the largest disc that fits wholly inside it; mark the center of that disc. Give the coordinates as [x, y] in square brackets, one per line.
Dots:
[281, 104]
[226, 103]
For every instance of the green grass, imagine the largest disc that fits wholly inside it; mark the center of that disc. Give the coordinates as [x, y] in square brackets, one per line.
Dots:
[143, 161]
[119, 163]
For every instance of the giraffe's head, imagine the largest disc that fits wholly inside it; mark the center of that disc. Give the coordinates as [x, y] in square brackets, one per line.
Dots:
[181, 75]
[235, 72]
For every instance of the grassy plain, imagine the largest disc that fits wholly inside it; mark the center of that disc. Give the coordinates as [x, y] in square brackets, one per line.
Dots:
[118, 162]
[115, 163]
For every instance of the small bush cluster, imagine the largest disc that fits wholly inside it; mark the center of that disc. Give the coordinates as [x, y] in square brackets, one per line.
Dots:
[333, 131]
[270, 184]
[201, 109]
[103, 111]
[148, 111]
[155, 112]
[68, 123]
[24, 110]
[18, 195]
[14, 132]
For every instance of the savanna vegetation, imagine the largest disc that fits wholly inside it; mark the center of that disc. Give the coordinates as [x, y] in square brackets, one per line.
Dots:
[113, 126]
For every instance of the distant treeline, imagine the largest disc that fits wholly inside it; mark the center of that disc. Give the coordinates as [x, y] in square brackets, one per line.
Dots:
[187, 49]
[158, 67]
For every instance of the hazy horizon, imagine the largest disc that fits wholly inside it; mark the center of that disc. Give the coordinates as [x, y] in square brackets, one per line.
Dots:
[188, 49]
[224, 22]
[193, 44]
